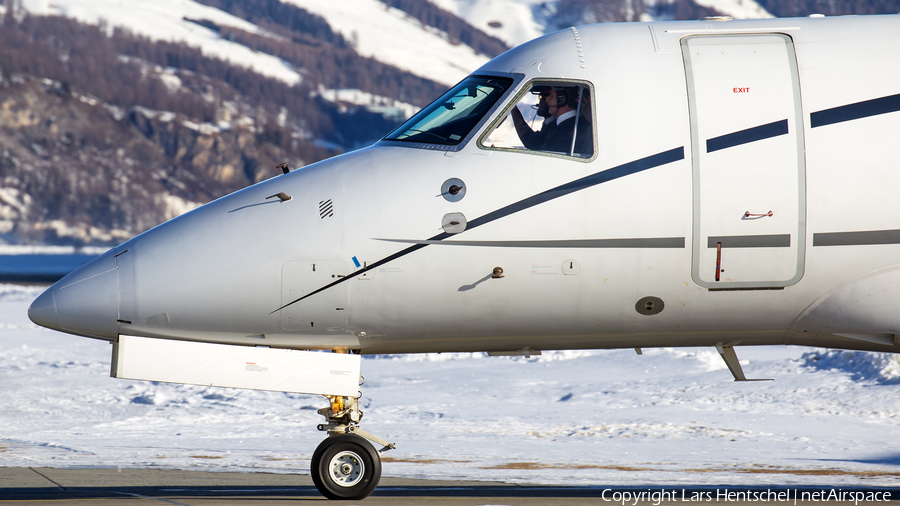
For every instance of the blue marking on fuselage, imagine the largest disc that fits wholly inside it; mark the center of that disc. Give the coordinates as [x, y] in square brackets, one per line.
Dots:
[747, 136]
[854, 111]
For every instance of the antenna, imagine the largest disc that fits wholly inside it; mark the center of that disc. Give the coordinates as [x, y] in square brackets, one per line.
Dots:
[284, 167]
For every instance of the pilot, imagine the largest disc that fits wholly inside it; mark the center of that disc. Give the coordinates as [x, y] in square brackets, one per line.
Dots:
[535, 139]
[559, 139]
[559, 106]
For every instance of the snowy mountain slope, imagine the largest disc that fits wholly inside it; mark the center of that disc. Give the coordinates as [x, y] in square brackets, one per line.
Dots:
[391, 36]
[137, 94]
[388, 35]
[513, 21]
[165, 20]
[518, 21]
[738, 9]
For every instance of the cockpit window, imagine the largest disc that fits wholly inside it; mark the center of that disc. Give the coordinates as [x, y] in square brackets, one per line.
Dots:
[552, 117]
[449, 119]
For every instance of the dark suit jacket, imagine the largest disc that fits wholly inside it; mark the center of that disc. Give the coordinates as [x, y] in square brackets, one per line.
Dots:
[531, 139]
[559, 137]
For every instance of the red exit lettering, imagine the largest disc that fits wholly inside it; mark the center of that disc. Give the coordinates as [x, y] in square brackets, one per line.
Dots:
[741, 90]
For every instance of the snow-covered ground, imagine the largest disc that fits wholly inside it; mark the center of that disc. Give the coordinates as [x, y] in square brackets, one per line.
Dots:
[667, 417]
[26, 249]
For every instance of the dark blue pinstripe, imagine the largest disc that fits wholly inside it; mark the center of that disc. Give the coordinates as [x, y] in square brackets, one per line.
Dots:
[857, 110]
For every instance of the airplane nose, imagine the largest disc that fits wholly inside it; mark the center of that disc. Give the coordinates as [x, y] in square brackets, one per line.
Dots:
[86, 302]
[43, 310]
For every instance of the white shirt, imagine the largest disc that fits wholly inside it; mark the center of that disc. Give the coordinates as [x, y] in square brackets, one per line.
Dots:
[564, 116]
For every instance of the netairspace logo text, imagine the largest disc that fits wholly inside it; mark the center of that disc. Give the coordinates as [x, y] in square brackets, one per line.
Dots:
[657, 497]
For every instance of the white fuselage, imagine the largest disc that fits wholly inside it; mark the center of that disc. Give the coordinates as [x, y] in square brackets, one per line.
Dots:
[695, 123]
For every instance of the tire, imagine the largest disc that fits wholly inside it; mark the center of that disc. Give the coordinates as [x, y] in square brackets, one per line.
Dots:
[345, 467]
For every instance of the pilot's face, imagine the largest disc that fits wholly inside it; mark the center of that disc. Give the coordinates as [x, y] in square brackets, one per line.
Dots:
[547, 104]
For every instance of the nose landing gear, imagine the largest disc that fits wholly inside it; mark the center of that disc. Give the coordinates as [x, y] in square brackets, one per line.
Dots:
[345, 465]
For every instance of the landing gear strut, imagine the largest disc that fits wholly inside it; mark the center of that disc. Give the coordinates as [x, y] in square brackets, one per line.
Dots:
[345, 465]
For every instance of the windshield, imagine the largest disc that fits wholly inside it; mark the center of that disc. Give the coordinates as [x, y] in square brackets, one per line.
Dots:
[449, 119]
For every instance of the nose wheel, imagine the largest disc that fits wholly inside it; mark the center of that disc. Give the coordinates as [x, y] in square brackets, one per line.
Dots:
[345, 467]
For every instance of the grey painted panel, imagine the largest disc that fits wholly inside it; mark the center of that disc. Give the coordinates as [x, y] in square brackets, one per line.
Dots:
[636, 242]
[751, 241]
[860, 238]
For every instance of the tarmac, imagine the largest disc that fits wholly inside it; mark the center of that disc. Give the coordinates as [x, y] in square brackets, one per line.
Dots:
[109, 487]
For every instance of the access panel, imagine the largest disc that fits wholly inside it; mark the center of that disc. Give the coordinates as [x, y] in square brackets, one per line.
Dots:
[320, 313]
[749, 216]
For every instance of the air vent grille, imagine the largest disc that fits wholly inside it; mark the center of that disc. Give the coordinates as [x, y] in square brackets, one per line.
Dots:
[326, 209]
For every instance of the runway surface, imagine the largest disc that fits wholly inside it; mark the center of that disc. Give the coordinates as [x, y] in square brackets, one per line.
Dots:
[40, 486]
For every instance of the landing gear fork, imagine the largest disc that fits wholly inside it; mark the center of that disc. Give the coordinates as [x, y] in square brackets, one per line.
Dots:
[343, 417]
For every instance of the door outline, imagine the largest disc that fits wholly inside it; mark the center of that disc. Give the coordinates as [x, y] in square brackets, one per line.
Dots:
[796, 120]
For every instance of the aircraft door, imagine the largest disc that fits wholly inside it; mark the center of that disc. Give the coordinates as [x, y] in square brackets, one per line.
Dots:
[749, 191]
[326, 310]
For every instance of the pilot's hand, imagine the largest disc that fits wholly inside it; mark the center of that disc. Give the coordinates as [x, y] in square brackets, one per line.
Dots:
[519, 120]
